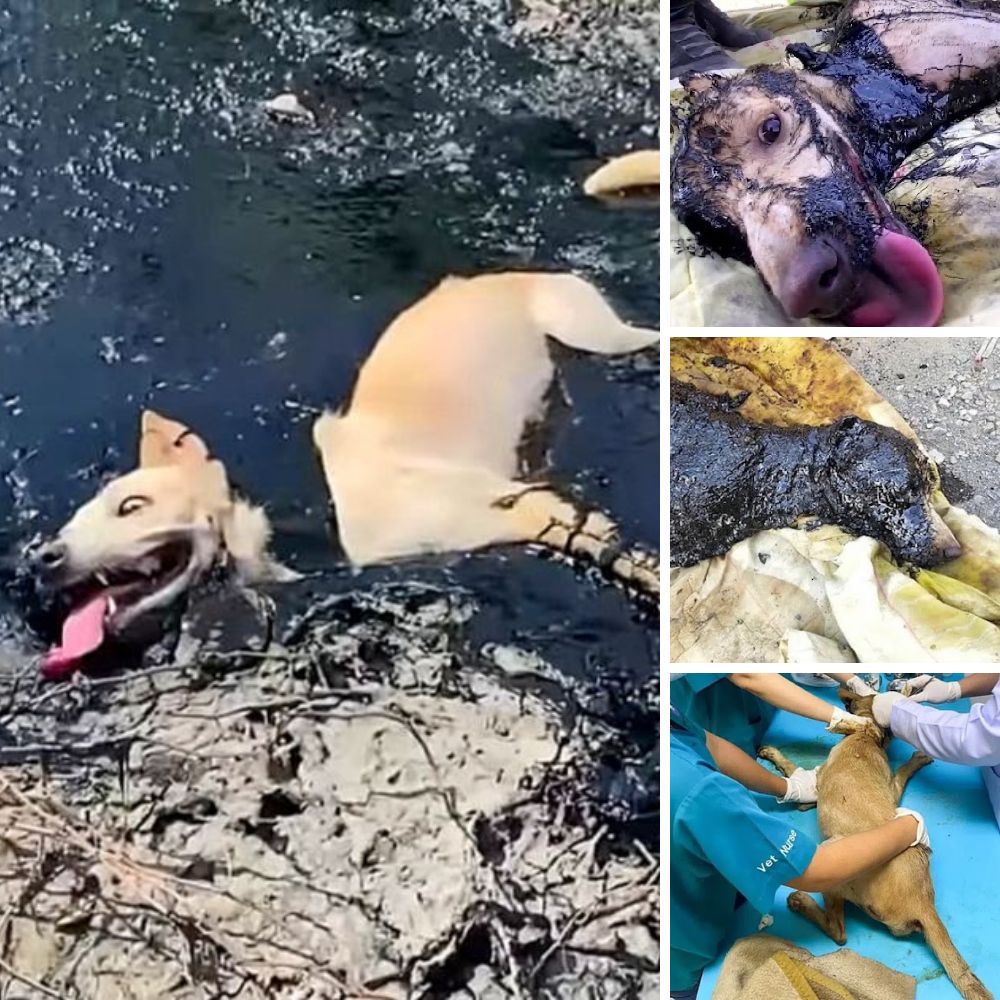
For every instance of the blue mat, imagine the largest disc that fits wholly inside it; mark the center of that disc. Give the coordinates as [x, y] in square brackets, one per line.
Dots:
[965, 865]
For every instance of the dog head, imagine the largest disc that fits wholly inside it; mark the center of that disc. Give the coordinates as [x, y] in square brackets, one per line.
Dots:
[767, 171]
[878, 483]
[147, 538]
[862, 706]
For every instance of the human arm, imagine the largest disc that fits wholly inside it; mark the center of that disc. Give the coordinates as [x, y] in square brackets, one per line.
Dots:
[837, 861]
[957, 737]
[783, 693]
[932, 690]
[741, 767]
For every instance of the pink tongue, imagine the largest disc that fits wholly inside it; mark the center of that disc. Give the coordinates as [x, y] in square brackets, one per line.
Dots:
[83, 632]
[908, 292]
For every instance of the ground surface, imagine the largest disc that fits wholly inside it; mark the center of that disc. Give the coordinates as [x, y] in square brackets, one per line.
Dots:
[953, 406]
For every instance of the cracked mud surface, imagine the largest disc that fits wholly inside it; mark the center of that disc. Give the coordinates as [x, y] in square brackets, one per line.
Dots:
[373, 809]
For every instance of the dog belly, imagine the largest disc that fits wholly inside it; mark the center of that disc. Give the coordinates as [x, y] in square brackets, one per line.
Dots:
[963, 40]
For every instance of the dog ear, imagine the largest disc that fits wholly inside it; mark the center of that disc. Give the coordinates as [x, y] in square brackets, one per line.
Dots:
[247, 532]
[168, 442]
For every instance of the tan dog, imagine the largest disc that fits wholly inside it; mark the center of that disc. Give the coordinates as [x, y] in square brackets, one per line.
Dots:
[857, 792]
[424, 455]
[148, 537]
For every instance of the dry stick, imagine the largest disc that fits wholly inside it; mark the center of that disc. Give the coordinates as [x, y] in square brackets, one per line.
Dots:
[137, 874]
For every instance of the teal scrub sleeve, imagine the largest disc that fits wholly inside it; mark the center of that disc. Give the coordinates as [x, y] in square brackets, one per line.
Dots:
[699, 682]
[756, 852]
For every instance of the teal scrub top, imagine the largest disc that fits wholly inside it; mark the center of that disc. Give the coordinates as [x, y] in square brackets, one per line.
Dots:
[721, 844]
[715, 703]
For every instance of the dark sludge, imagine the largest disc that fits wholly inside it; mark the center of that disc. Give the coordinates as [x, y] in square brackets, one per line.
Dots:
[731, 478]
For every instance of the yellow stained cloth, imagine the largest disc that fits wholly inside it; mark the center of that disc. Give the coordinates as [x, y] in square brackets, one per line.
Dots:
[821, 596]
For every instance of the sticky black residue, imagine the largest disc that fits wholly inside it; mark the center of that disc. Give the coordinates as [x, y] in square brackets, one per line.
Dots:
[730, 478]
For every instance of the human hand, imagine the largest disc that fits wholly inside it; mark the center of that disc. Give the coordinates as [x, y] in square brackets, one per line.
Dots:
[936, 691]
[859, 687]
[801, 785]
[923, 838]
[844, 724]
[882, 707]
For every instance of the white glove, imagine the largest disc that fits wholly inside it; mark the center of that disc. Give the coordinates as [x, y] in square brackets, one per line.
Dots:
[843, 723]
[859, 687]
[923, 839]
[801, 786]
[882, 707]
[937, 692]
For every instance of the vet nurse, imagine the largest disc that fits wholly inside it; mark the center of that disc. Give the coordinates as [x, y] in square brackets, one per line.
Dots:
[724, 846]
[740, 707]
[956, 737]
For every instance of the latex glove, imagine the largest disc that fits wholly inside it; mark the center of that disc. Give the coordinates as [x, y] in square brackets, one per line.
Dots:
[882, 707]
[801, 786]
[844, 724]
[923, 838]
[859, 687]
[937, 692]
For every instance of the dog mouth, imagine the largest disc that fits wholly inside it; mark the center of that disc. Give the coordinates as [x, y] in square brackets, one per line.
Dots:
[105, 604]
[901, 286]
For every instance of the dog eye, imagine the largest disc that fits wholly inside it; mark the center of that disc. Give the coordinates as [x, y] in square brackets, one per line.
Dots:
[131, 504]
[769, 130]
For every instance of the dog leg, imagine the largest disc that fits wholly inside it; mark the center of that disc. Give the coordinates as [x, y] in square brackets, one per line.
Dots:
[778, 759]
[907, 771]
[538, 514]
[829, 919]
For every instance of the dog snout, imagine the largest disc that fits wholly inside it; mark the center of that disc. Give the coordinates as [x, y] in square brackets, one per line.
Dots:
[818, 280]
[946, 545]
[51, 556]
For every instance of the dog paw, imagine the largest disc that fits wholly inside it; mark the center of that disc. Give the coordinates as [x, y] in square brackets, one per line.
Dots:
[767, 753]
[920, 759]
[798, 901]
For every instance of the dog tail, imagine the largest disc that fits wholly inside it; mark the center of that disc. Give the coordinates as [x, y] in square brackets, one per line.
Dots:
[966, 981]
[575, 313]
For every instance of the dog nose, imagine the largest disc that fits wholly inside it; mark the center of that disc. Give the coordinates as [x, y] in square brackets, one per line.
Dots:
[817, 280]
[50, 556]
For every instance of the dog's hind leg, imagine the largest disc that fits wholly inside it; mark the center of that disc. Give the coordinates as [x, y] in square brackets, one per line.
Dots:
[829, 919]
[575, 313]
[536, 513]
[907, 771]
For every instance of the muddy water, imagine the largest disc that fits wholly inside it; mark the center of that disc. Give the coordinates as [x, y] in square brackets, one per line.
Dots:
[162, 243]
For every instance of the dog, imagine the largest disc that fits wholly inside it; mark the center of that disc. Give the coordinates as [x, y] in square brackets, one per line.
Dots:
[730, 478]
[147, 539]
[858, 791]
[425, 454]
[785, 169]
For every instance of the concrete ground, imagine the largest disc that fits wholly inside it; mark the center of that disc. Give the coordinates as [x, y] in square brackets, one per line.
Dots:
[953, 407]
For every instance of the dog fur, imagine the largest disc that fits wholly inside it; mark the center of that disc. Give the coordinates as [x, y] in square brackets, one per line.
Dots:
[424, 457]
[858, 791]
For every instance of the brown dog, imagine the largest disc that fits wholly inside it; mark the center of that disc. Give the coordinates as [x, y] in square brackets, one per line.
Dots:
[858, 792]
